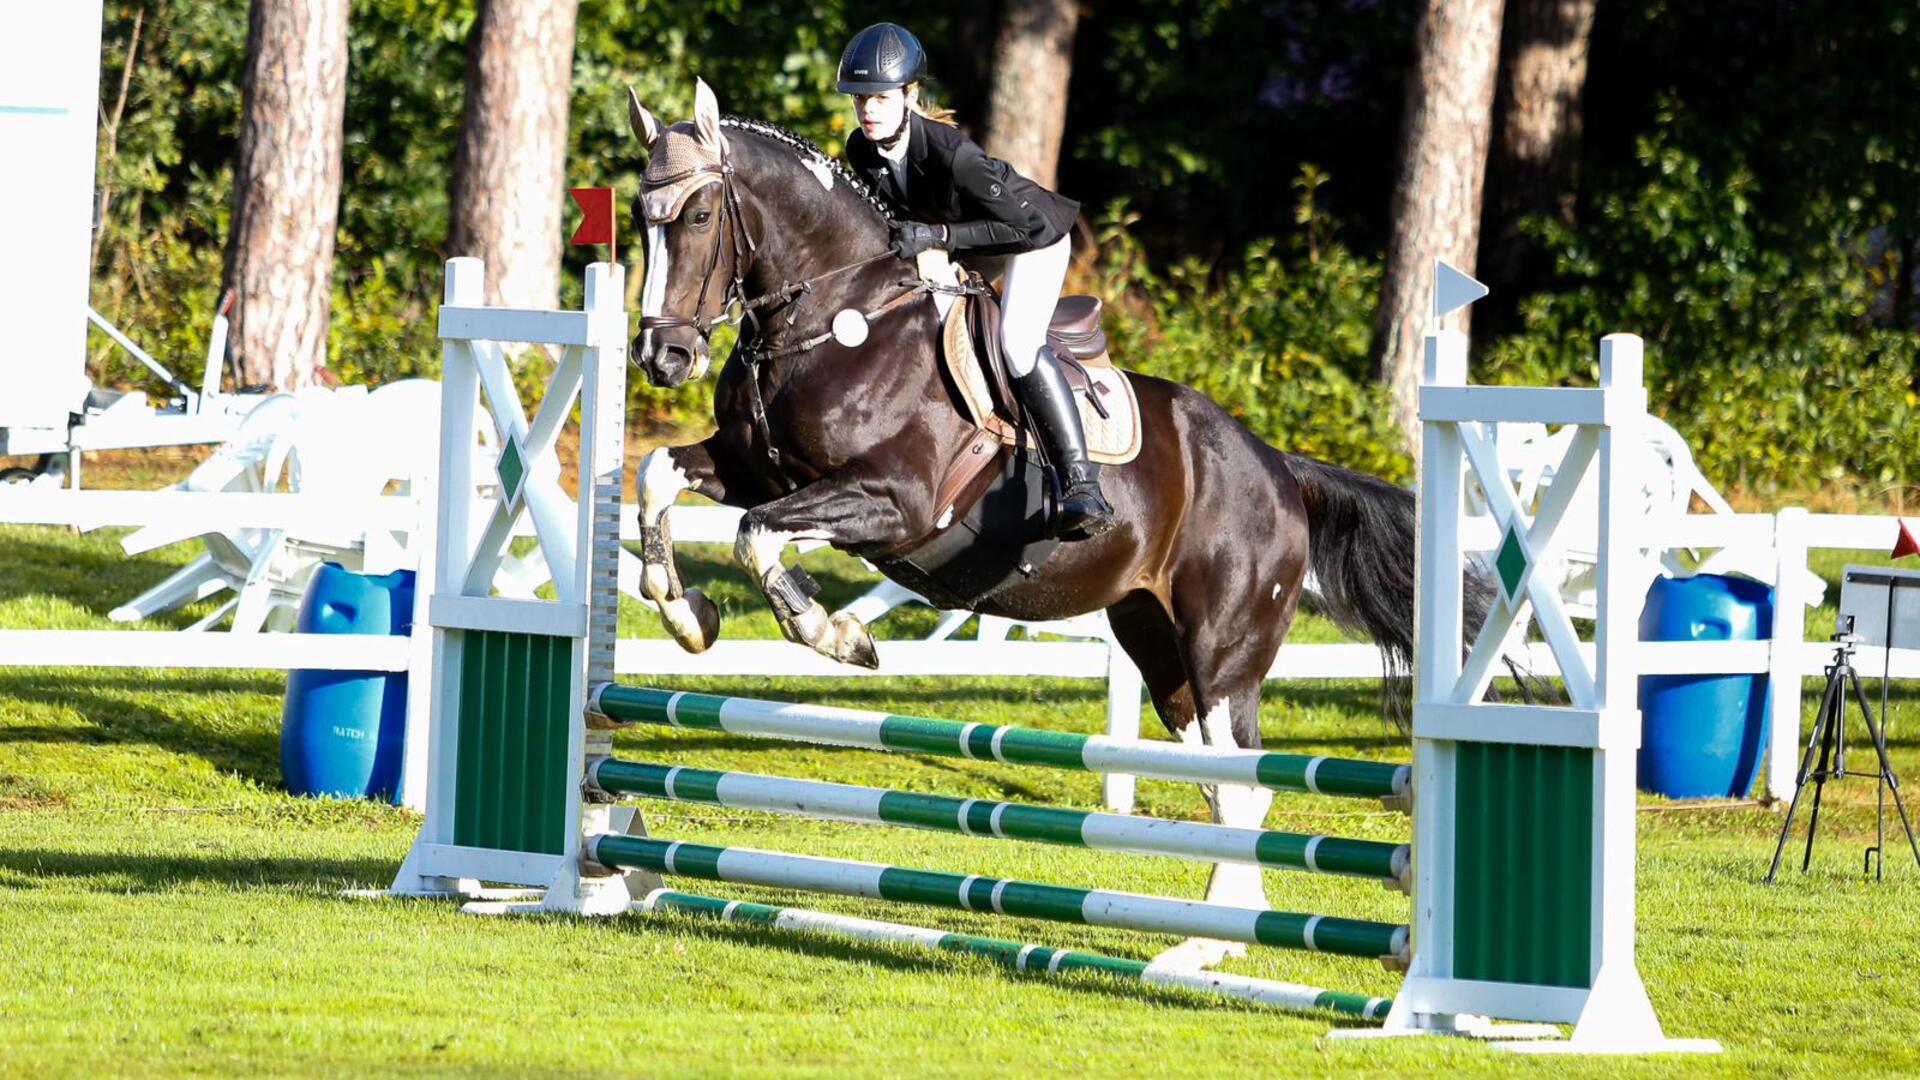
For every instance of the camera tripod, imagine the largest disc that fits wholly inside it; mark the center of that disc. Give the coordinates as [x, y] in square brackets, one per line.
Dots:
[1829, 740]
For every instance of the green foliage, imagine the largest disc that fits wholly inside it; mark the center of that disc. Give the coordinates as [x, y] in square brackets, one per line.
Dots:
[1761, 345]
[1746, 215]
[1197, 110]
[1280, 341]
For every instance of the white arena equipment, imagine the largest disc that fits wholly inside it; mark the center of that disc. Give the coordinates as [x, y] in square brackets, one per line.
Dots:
[49, 99]
[49, 104]
[1522, 865]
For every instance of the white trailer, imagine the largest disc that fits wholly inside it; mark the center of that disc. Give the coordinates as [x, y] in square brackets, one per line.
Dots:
[49, 110]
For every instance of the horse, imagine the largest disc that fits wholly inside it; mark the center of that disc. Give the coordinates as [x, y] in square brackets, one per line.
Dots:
[823, 436]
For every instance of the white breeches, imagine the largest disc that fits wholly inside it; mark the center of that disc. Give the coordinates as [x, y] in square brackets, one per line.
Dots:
[1029, 292]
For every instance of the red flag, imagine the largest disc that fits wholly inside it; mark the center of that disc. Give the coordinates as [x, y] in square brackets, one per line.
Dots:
[596, 223]
[1905, 545]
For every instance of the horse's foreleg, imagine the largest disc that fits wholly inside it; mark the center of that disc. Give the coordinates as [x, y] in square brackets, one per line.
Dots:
[840, 513]
[690, 617]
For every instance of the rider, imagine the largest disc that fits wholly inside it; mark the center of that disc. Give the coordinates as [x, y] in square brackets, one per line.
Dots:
[947, 193]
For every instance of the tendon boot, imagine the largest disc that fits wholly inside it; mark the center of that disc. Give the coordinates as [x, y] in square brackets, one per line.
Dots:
[1083, 511]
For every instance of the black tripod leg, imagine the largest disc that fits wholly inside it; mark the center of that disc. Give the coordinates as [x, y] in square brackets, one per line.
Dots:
[1889, 780]
[1833, 718]
[1800, 783]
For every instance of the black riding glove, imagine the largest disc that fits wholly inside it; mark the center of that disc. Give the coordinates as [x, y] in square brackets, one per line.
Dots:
[910, 238]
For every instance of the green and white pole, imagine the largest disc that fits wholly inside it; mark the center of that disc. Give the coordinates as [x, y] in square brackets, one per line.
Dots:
[1009, 745]
[1012, 954]
[968, 892]
[1389, 863]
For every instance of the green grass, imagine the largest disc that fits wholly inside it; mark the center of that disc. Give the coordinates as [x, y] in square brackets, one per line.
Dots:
[168, 910]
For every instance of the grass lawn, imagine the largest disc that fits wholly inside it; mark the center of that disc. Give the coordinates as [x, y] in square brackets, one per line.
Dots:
[167, 909]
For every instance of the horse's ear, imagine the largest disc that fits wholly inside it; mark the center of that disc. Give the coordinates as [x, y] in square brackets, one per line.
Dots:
[706, 113]
[645, 127]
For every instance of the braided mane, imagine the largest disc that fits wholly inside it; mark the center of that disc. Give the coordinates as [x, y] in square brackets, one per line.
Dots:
[809, 149]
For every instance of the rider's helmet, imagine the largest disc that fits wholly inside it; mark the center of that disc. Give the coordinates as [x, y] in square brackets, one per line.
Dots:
[884, 56]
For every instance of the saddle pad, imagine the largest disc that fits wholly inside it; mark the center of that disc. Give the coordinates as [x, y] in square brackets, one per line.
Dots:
[1113, 439]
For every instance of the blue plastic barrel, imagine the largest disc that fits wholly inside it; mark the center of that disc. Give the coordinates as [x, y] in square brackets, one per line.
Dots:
[1701, 736]
[343, 733]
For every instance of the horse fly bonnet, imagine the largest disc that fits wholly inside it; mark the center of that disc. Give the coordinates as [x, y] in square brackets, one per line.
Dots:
[679, 164]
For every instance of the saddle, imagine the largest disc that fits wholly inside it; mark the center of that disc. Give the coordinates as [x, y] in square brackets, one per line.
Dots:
[995, 498]
[971, 351]
[970, 354]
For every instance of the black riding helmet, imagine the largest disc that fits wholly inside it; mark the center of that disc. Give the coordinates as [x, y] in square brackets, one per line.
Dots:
[884, 56]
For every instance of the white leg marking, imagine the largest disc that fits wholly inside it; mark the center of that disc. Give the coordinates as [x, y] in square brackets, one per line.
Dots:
[661, 481]
[841, 636]
[689, 616]
[758, 548]
[1234, 884]
[1216, 728]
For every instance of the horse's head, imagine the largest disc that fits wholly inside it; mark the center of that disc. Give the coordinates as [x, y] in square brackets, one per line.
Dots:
[696, 242]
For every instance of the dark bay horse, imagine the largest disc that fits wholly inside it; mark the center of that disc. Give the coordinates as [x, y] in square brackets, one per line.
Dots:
[1217, 530]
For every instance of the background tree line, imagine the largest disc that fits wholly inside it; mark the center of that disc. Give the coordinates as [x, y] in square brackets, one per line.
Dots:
[1735, 181]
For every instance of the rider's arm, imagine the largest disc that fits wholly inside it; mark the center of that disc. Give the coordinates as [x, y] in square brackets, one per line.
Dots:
[999, 217]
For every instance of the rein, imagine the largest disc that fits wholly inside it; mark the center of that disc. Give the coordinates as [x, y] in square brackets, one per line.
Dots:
[754, 348]
[732, 227]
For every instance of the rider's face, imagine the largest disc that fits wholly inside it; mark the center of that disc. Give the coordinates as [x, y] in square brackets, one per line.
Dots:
[880, 114]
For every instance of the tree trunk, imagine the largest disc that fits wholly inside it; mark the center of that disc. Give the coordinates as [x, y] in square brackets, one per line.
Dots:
[1033, 61]
[509, 169]
[286, 186]
[1436, 200]
[1535, 161]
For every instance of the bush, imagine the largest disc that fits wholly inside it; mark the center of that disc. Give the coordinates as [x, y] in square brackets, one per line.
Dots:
[1279, 341]
[1758, 317]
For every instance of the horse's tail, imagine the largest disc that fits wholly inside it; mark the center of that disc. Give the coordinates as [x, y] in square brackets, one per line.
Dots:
[1362, 535]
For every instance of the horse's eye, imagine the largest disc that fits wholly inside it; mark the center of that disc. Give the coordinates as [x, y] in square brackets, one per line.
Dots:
[700, 218]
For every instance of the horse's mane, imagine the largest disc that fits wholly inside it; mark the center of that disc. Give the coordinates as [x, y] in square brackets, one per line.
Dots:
[807, 148]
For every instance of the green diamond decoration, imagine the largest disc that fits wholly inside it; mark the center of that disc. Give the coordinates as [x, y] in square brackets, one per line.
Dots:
[512, 468]
[1511, 562]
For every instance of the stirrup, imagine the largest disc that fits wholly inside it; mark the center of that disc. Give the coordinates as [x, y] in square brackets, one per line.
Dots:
[1082, 514]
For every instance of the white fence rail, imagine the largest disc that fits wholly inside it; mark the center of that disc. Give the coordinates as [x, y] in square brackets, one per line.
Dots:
[1789, 658]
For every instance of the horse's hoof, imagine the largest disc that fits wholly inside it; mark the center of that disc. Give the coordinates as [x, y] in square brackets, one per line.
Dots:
[707, 614]
[853, 642]
[1199, 954]
[692, 619]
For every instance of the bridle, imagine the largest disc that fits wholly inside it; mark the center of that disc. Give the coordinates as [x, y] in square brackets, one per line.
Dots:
[673, 192]
[662, 201]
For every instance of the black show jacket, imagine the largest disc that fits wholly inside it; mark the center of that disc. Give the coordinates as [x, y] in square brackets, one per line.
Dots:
[989, 208]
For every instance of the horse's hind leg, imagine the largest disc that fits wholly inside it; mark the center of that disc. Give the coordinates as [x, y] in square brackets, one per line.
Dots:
[1234, 805]
[691, 618]
[1150, 637]
[1228, 654]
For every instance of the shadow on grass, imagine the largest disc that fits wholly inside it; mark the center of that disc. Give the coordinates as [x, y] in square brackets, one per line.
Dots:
[899, 959]
[117, 708]
[90, 573]
[113, 870]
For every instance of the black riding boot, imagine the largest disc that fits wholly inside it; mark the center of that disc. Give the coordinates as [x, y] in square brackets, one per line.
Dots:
[1083, 511]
